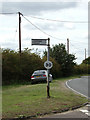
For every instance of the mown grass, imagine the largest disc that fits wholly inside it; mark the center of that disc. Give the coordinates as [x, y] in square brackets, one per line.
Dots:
[30, 100]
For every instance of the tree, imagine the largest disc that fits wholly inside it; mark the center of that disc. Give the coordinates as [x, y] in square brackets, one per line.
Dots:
[66, 61]
[86, 65]
[86, 61]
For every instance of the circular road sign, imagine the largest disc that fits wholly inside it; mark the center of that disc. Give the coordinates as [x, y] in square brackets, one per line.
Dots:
[48, 64]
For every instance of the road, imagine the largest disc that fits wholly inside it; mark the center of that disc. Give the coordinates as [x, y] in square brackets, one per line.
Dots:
[79, 85]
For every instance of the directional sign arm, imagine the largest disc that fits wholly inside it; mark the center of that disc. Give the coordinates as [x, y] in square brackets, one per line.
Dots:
[39, 41]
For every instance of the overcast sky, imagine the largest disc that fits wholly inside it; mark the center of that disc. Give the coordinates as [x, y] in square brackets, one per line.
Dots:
[59, 21]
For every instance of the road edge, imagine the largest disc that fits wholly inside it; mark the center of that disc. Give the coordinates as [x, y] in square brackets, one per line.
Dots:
[75, 90]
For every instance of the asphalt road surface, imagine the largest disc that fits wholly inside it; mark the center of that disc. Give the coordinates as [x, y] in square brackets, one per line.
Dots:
[79, 85]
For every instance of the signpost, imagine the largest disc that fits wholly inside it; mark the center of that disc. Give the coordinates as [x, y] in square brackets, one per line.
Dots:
[48, 64]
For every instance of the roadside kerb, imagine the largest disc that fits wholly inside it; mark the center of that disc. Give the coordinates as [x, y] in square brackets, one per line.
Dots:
[47, 113]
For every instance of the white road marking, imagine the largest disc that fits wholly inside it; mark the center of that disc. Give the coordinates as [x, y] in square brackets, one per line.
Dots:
[75, 90]
[85, 112]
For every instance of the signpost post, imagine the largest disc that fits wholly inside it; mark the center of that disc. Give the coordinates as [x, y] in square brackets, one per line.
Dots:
[48, 86]
[47, 64]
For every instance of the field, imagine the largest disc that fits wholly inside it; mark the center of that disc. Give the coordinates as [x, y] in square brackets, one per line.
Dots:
[31, 100]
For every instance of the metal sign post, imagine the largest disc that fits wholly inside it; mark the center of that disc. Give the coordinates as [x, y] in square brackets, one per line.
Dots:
[47, 64]
[48, 86]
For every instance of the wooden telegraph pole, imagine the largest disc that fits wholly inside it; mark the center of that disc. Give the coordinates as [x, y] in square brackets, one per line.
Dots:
[19, 32]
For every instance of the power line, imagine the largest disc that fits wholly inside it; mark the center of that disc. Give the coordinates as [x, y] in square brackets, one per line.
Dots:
[59, 20]
[8, 13]
[50, 19]
[45, 32]
[41, 29]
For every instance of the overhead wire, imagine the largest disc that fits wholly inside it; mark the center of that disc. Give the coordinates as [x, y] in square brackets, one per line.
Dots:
[47, 33]
[9, 13]
[45, 19]
[41, 29]
[54, 20]
[76, 48]
[58, 20]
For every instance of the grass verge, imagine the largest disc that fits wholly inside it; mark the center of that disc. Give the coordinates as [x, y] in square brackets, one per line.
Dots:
[31, 100]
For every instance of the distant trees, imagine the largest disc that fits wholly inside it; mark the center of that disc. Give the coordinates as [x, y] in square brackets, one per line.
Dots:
[86, 61]
[81, 69]
[84, 67]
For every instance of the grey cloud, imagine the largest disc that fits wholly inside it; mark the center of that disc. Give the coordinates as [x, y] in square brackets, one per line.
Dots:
[9, 44]
[30, 8]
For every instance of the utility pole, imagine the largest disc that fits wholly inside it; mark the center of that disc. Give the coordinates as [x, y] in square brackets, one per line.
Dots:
[68, 45]
[85, 53]
[19, 32]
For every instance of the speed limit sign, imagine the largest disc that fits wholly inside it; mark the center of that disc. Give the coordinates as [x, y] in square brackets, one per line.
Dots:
[48, 64]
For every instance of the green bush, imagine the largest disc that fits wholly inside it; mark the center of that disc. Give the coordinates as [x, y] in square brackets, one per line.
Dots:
[88, 69]
[81, 69]
[18, 68]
